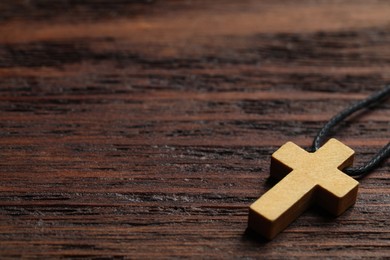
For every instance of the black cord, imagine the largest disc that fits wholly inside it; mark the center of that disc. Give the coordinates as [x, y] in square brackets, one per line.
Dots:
[380, 156]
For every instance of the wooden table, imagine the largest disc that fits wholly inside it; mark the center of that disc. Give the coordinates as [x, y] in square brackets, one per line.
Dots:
[144, 129]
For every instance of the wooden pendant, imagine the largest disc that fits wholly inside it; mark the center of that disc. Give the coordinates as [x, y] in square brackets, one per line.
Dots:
[307, 178]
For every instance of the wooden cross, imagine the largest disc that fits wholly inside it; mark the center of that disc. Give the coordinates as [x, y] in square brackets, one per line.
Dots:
[307, 178]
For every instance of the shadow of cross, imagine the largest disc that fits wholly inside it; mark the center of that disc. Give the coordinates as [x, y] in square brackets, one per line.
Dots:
[307, 178]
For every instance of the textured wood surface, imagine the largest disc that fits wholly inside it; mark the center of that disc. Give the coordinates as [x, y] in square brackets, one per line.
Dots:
[145, 129]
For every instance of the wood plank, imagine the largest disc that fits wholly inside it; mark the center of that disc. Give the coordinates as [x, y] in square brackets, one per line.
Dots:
[145, 128]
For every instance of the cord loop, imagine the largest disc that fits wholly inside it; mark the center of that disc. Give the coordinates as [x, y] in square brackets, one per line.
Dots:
[324, 132]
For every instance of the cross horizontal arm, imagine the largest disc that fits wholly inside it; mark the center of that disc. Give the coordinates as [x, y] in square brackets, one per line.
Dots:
[289, 156]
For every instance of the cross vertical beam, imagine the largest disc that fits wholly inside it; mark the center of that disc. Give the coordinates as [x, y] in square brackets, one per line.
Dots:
[306, 178]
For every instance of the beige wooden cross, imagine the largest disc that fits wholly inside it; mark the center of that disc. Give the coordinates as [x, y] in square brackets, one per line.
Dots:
[307, 178]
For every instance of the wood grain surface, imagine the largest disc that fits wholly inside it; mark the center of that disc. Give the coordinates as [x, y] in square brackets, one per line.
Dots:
[144, 129]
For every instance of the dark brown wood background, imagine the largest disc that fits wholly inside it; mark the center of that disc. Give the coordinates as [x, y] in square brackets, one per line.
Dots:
[144, 128]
